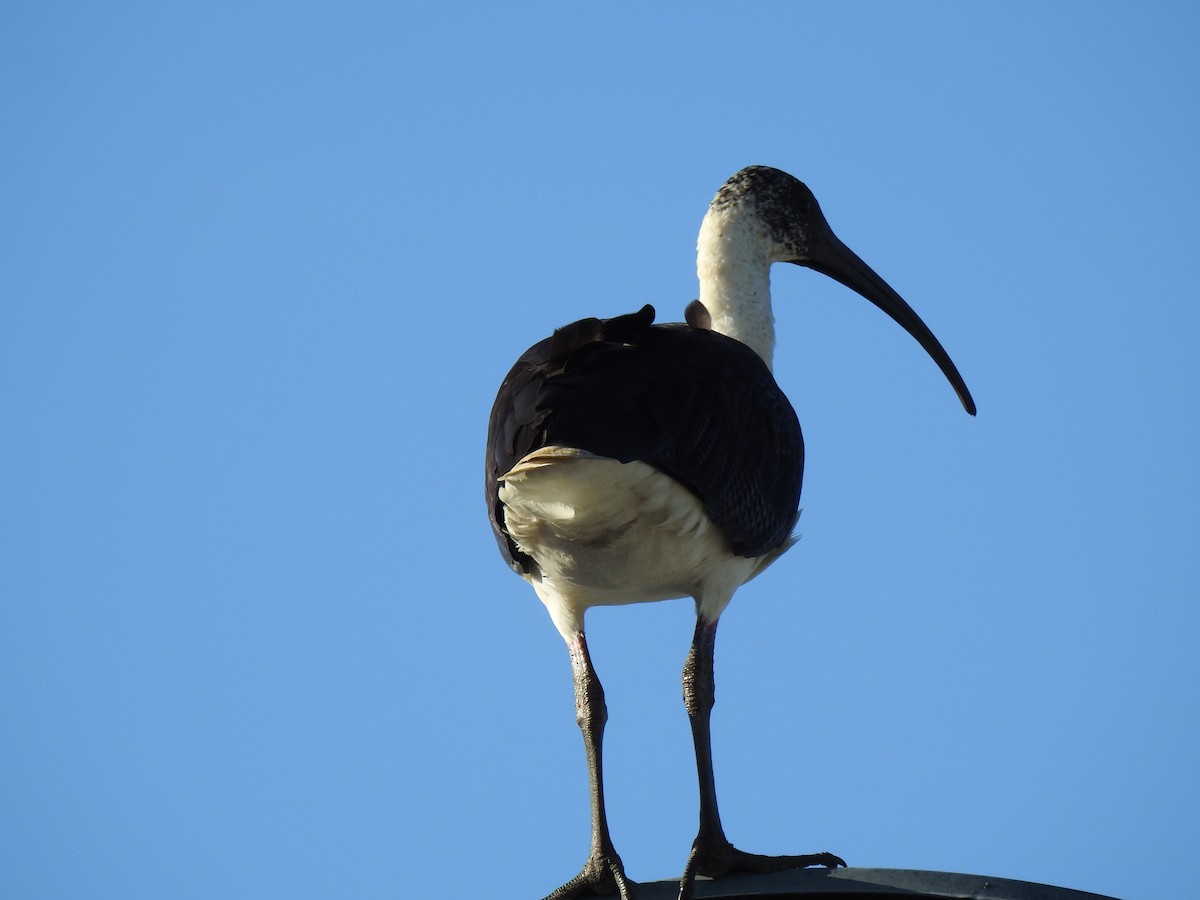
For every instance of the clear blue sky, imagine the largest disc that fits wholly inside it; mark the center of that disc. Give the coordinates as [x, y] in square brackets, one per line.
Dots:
[262, 267]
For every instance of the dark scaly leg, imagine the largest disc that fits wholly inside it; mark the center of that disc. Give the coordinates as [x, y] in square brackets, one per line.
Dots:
[603, 872]
[712, 854]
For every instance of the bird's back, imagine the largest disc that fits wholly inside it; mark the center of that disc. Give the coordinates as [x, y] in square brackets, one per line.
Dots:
[696, 405]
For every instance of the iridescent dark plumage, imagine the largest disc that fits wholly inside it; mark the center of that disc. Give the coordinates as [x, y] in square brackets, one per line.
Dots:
[694, 404]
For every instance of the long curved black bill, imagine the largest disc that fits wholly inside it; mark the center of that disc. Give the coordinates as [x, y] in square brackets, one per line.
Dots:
[831, 257]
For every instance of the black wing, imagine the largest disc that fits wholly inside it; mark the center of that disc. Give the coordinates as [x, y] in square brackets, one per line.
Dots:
[694, 404]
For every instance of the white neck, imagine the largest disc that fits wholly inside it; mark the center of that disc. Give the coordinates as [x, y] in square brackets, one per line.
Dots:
[735, 281]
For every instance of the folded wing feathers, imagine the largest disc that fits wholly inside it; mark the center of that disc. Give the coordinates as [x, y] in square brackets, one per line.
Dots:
[692, 403]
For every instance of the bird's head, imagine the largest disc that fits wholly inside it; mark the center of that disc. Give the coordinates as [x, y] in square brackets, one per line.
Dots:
[767, 215]
[774, 215]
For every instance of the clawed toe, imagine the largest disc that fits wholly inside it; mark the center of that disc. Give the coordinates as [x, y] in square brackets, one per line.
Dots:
[600, 875]
[721, 858]
[826, 859]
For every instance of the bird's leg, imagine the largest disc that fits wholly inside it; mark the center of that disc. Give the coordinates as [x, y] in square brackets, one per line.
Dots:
[712, 854]
[603, 873]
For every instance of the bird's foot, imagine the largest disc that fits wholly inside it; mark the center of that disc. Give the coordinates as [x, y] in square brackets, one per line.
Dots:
[601, 874]
[715, 858]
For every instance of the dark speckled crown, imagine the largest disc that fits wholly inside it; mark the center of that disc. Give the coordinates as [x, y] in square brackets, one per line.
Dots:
[783, 203]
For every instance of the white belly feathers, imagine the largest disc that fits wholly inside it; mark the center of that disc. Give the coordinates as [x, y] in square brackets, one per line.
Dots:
[604, 532]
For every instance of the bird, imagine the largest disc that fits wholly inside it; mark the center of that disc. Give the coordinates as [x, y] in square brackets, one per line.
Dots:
[631, 462]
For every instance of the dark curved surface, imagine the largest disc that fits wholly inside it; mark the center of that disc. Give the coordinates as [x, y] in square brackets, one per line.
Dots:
[864, 884]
